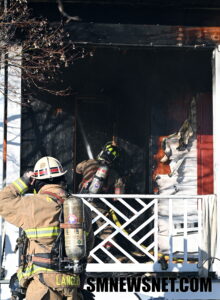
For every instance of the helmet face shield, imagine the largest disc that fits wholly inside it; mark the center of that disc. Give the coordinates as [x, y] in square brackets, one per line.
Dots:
[48, 167]
[109, 153]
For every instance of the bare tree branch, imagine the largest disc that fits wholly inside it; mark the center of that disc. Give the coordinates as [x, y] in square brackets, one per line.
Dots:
[45, 49]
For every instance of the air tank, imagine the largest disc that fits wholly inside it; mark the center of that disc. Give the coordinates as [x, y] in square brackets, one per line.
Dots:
[98, 179]
[74, 228]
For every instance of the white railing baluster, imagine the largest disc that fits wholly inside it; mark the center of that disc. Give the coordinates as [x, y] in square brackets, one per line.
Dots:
[171, 229]
[141, 202]
[101, 228]
[142, 226]
[156, 229]
[146, 236]
[127, 205]
[150, 247]
[199, 230]
[124, 252]
[95, 219]
[114, 208]
[185, 231]
[110, 255]
[99, 260]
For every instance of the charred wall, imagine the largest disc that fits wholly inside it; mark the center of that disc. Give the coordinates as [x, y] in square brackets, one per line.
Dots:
[47, 130]
[132, 94]
[136, 94]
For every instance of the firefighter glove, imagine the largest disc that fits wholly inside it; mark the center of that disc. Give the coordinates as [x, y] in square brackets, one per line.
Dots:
[27, 177]
[22, 184]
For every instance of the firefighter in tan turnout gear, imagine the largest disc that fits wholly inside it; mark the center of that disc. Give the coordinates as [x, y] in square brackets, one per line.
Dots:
[100, 175]
[52, 263]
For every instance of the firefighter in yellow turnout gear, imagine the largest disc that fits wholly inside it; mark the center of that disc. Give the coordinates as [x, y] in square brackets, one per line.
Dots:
[40, 216]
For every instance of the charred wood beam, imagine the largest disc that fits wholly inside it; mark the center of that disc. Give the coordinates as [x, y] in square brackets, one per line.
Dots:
[143, 35]
[195, 4]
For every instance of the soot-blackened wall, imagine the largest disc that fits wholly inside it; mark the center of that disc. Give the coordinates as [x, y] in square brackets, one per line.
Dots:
[132, 94]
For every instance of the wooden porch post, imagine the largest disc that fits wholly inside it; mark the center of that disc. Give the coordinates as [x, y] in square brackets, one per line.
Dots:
[10, 141]
[216, 146]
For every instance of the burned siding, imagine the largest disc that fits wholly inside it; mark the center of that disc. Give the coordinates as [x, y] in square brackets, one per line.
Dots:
[47, 129]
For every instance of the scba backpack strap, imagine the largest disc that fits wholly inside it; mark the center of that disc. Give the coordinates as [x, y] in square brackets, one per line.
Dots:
[53, 260]
[55, 197]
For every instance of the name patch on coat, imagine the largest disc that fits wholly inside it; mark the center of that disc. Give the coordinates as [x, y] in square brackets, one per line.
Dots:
[67, 280]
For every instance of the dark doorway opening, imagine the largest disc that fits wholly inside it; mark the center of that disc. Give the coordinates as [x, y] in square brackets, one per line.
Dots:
[137, 95]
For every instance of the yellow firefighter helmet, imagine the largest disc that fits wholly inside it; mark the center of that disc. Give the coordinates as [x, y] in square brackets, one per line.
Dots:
[48, 167]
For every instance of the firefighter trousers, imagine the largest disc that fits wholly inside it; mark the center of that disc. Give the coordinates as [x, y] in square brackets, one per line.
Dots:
[38, 291]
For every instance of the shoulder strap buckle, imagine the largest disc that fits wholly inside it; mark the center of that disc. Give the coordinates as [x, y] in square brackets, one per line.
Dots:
[55, 197]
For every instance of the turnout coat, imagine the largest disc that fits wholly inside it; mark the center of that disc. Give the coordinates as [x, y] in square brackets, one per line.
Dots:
[38, 215]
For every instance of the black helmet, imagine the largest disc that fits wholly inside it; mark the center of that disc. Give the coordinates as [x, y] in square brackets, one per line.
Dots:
[109, 153]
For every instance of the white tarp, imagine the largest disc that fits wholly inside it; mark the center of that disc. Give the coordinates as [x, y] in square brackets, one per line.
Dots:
[182, 180]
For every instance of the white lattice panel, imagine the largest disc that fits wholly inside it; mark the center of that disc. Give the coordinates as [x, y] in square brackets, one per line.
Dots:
[134, 240]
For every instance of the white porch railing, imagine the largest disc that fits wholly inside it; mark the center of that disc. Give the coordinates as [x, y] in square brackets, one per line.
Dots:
[137, 225]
